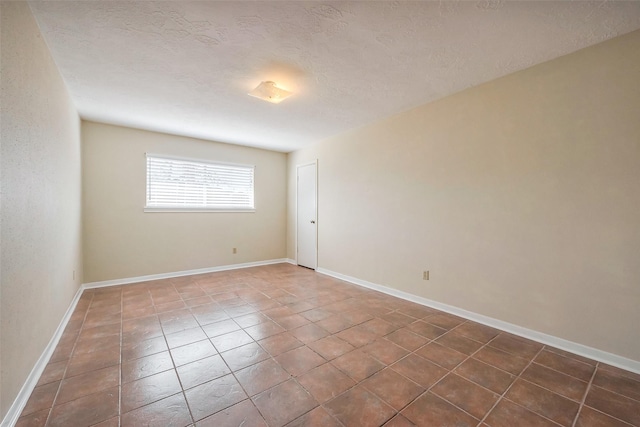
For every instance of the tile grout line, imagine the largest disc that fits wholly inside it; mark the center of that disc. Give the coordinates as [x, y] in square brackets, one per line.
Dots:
[73, 347]
[230, 370]
[175, 367]
[80, 329]
[207, 339]
[239, 383]
[451, 371]
[410, 352]
[427, 389]
[616, 393]
[518, 376]
[584, 397]
[291, 376]
[356, 383]
[164, 335]
[156, 314]
[597, 410]
[502, 396]
[529, 381]
[555, 392]
[429, 341]
[626, 423]
[289, 286]
[563, 373]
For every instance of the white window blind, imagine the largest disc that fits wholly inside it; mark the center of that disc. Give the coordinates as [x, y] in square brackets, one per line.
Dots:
[184, 184]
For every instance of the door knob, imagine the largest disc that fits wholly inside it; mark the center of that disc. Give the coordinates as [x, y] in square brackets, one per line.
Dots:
[313, 222]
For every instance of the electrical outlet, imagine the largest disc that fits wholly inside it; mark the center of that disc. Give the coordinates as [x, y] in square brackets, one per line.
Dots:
[425, 275]
[235, 251]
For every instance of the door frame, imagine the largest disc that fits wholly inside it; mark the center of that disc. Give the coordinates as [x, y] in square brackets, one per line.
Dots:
[315, 162]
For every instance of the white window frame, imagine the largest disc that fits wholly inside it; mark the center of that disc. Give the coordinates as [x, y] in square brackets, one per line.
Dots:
[193, 208]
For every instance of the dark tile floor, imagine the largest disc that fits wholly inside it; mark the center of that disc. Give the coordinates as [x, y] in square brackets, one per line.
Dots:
[282, 345]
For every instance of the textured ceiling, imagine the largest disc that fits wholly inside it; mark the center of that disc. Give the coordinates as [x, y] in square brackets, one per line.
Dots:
[185, 67]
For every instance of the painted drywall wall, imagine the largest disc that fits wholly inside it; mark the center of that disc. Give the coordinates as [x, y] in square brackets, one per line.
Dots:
[121, 240]
[521, 196]
[41, 190]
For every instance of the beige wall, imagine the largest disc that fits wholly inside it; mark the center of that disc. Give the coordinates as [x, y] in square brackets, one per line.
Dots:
[521, 196]
[120, 240]
[41, 189]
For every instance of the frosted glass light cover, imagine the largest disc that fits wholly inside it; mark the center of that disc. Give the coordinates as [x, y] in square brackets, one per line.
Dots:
[270, 93]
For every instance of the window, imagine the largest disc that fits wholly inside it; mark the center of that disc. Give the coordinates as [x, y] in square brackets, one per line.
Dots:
[175, 184]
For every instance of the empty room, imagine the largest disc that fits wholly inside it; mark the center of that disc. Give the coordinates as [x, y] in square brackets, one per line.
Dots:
[309, 213]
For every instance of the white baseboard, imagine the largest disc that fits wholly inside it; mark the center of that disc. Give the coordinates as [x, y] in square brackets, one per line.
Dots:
[25, 392]
[21, 399]
[570, 346]
[128, 280]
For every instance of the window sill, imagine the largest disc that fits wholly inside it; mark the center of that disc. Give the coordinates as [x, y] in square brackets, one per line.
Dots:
[198, 210]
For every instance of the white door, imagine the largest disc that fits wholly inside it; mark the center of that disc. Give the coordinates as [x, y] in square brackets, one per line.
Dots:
[307, 215]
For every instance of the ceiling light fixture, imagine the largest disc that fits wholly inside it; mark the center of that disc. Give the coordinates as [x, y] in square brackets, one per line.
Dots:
[270, 93]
